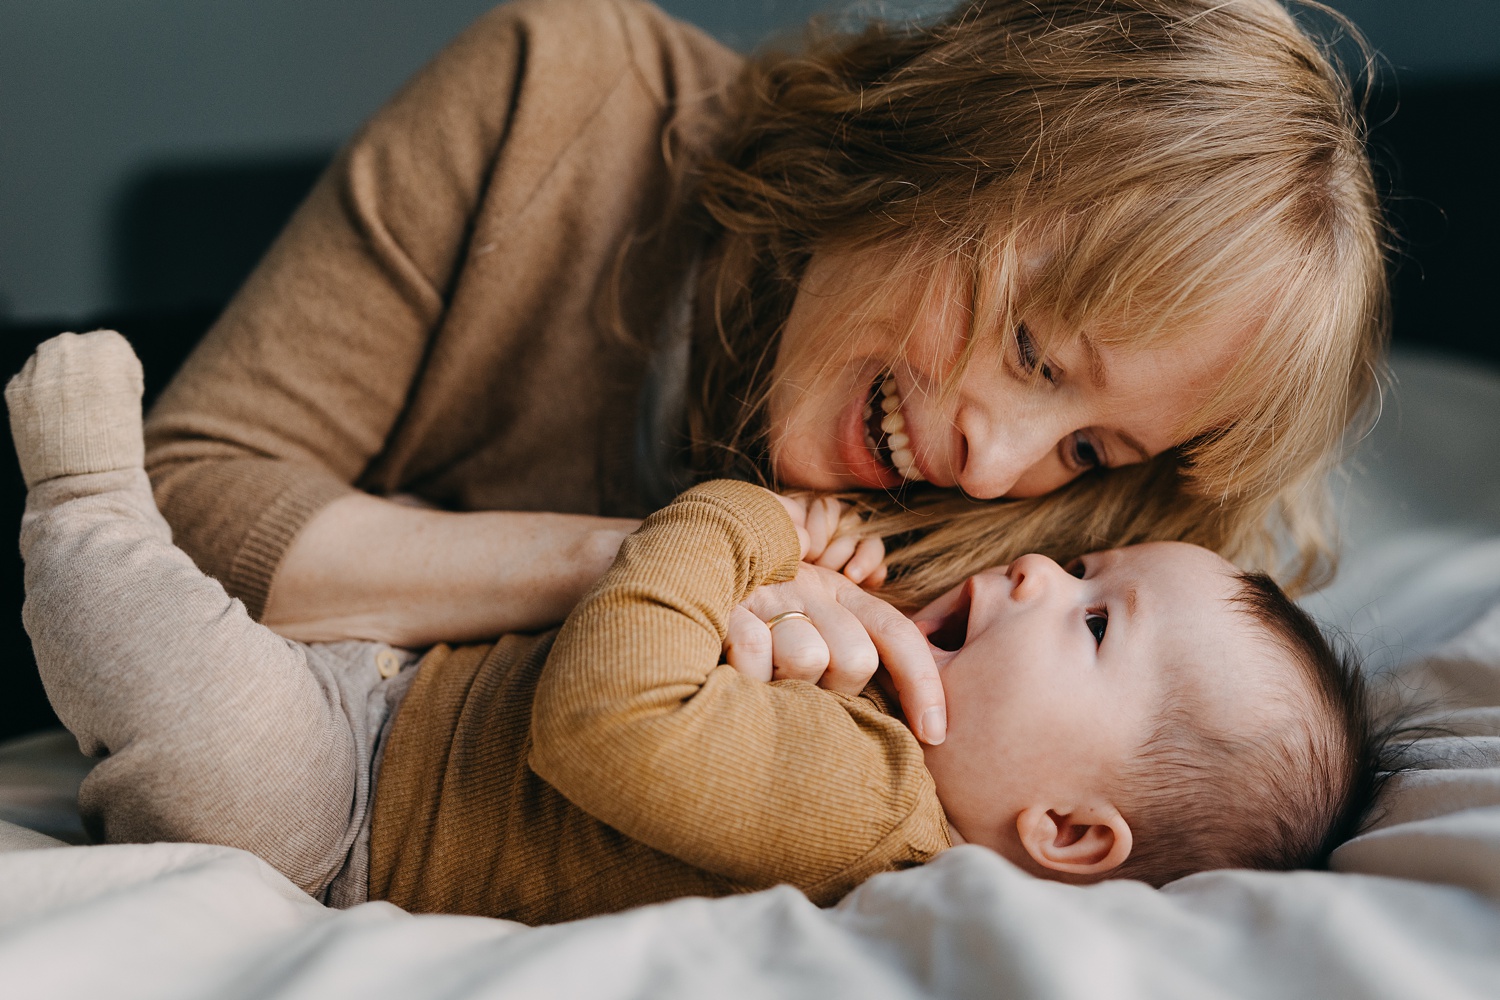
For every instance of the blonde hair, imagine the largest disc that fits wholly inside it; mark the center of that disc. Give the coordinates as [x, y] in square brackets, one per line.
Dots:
[1179, 159]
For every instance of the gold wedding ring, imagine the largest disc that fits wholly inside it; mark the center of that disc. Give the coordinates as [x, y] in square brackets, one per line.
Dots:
[787, 616]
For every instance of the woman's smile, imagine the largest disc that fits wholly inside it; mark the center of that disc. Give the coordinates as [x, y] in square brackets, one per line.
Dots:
[876, 442]
[887, 433]
[855, 401]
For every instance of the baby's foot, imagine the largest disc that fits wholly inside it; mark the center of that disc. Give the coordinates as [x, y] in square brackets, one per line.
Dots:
[76, 407]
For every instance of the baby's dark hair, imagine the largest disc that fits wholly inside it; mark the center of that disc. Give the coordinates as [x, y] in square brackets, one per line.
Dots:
[1275, 797]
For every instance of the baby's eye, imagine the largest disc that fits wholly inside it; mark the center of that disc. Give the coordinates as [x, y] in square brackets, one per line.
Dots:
[1097, 621]
[1030, 360]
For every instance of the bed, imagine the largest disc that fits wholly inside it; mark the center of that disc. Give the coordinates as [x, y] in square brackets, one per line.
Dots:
[1412, 908]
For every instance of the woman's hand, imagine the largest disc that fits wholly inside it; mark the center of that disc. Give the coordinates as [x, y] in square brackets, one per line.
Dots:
[847, 635]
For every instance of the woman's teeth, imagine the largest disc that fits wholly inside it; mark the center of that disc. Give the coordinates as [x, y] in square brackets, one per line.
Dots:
[888, 438]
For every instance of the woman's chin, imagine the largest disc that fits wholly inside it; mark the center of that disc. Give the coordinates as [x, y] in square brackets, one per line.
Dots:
[794, 474]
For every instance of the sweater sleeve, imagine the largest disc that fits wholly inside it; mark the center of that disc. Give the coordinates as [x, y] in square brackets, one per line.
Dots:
[297, 388]
[638, 723]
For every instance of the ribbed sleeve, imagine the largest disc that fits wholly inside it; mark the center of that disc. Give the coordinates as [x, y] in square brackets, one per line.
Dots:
[638, 723]
[648, 771]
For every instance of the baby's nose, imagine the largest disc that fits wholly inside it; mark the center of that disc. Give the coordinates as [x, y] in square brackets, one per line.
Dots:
[1032, 573]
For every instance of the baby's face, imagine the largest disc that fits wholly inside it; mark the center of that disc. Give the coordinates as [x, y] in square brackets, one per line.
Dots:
[1055, 677]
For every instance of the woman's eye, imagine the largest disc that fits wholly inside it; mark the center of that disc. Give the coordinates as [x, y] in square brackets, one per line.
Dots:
[1031, 361]
[1098, 622]
[1085, 455]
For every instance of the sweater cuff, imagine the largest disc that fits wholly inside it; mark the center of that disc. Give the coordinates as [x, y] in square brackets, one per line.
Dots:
[764, 520]
[265, 544]
[236, 518]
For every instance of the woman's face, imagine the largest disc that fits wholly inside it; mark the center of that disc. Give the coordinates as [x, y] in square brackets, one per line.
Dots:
[855, 405]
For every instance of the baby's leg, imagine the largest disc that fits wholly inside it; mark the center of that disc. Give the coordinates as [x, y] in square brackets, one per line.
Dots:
[212, 728]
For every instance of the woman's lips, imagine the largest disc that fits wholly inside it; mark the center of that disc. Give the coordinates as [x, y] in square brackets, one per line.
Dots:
[866, 465]
[876, 446]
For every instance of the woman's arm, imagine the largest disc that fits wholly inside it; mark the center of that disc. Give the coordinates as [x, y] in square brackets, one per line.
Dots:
[298, 386]
[373, 569]
[381, 341]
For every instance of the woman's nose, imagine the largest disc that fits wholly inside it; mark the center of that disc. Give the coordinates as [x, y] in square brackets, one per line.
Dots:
[1004, 458]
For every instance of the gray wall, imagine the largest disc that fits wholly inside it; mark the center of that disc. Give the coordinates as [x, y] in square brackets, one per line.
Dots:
[1431, 37]
[92, 92]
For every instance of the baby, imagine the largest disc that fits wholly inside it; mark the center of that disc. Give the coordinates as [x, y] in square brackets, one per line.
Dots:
[1143, 713]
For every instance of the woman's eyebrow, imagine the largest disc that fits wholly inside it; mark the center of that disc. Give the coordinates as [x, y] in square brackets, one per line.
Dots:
[1097, 374]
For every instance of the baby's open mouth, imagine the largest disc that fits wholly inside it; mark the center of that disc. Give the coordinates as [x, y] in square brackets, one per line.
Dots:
[953, 629]
[885, 429]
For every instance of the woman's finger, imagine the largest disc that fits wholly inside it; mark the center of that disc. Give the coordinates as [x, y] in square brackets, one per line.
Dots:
[798, 652]
[747, 644]
[904, 651]
[830, 646]
[852, 657]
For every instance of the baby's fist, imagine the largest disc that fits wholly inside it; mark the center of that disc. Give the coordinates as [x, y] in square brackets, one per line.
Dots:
[832, 536]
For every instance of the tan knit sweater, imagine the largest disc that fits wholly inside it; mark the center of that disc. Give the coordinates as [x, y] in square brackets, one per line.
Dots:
[628, 765]
[432, 321]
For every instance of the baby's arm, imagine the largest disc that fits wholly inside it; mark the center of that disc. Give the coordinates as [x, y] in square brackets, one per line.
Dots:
[637, 722]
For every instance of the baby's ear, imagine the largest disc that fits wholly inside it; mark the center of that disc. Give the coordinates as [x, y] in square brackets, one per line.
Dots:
[1087, 840]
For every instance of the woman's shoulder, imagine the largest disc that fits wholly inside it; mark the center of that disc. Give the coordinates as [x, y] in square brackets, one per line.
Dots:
[595, 44]
[534, 93]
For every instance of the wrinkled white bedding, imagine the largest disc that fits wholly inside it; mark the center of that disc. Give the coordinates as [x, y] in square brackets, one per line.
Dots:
[1420, 595]
[191, 921]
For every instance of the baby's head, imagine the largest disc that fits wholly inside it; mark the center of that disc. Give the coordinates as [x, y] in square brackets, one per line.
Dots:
[1145, 713]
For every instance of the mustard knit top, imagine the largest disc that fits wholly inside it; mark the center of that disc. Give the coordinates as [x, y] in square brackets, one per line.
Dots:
[618, 762]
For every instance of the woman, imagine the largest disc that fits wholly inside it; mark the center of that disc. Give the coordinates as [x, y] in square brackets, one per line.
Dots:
[1117, 264]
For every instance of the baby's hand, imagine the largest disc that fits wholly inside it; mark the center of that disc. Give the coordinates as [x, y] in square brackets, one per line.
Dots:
[832, 536]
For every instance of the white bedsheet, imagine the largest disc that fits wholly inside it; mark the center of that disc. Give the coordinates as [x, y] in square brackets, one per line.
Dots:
[1421, 595]
[192, 921]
